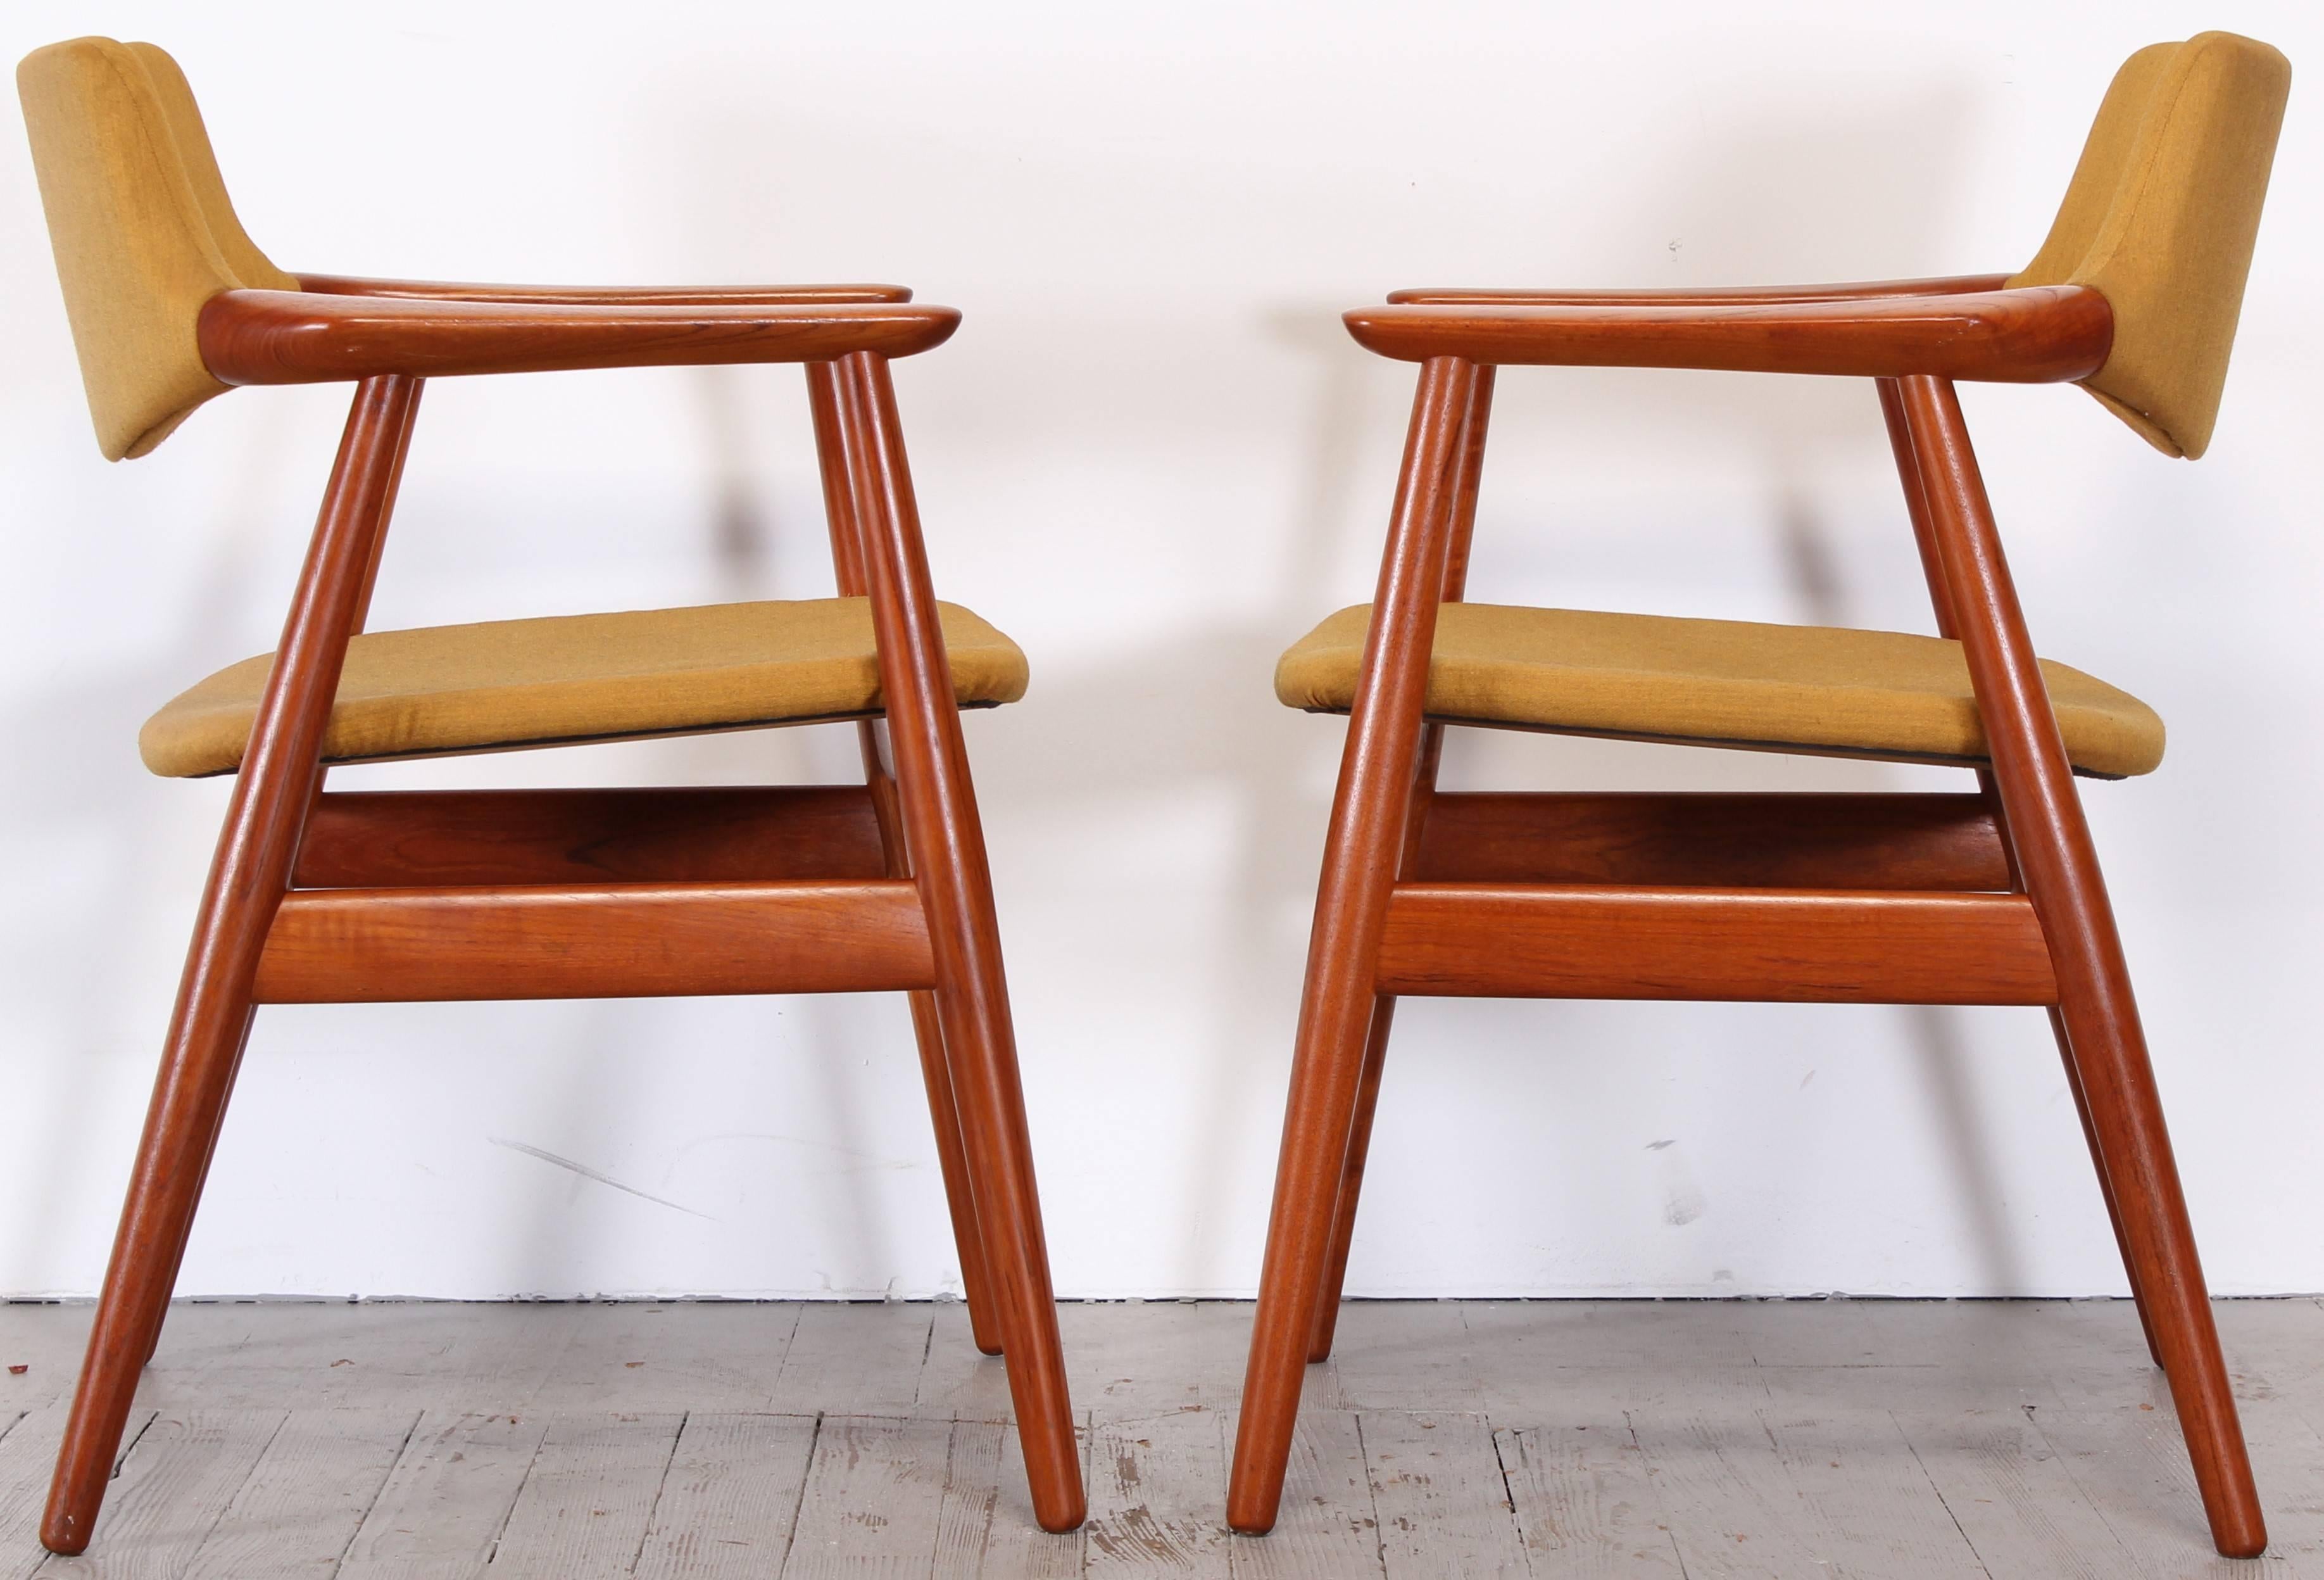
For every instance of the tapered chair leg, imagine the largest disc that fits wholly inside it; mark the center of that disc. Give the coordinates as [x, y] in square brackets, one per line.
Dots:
[1912, 474]
[1351, 1181]
[2105, 1183]
[1370, 816]
[952, 1159]
[935, 1070]
[204, 1049]
[2051, 838]
[1475, 423]
[2135, 1155]
[945, 837]
[211, 1022]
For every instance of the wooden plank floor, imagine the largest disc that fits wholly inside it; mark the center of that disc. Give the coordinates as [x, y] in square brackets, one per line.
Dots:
[1447, 1438]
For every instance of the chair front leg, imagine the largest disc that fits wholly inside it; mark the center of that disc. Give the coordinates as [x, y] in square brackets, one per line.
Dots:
[946, 841]
[248, 876]
[1369, 820]
[837, 442]
[2052, 842]
[1476, 423]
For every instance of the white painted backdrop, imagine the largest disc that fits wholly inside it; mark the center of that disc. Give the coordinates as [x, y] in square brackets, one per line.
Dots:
[1152, 455]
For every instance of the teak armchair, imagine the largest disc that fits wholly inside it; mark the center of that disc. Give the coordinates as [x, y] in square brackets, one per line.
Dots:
[324, 896]
[1988, 897]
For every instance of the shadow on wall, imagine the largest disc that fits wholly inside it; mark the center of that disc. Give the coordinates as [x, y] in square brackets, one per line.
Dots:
[1777, 188]
[1774, 196]
[80, 784]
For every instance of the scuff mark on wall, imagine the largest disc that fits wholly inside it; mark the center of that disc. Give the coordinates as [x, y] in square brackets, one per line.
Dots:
[586, 1172]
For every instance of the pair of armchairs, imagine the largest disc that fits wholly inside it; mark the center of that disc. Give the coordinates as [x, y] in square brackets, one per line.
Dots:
[1990, 896]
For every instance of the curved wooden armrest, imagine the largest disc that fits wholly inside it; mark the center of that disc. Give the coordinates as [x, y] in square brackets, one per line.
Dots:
[1706, 296]
[304, 338]
[2034, 335]
[608, 296]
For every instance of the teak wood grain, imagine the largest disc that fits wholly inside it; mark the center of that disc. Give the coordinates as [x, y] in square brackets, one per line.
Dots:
[605, 295]
[1720, 839]
[626, 940]
[296, 337]
[1608, 941]
[381, 839]
[1707, 296]
[2033, 334]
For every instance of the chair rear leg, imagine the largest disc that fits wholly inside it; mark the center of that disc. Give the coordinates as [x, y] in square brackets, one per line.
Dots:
[2134, 1155]
[2051, 838]
[936, 1071]
[1351, 1181]
[952, 1159]
[998, 1148]
[2105, 1184]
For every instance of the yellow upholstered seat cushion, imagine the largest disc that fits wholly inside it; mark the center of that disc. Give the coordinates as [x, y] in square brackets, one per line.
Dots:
[1809, 689]
[510, 683]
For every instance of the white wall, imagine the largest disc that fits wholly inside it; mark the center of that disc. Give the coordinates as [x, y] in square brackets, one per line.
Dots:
[1152, 455]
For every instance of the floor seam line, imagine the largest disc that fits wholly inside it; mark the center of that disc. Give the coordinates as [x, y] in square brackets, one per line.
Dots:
[660, 1487]
[1943, 1502]
[799, 1505]
[356, 1535]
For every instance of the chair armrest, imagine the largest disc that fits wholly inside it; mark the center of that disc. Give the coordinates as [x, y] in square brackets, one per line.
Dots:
[1707, 296]
[302, 337]
[608, 296]
[2034, 335]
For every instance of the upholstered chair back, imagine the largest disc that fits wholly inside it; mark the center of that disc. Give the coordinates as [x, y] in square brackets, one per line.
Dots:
[2160, 219]
[143, 229]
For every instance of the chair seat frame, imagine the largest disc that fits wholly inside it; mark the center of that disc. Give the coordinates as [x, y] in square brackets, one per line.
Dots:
[1995, 897]
[316, 896]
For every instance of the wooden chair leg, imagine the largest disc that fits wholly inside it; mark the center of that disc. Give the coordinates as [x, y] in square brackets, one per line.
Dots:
[1905, 445]
[935, 1072]
[952, 1159]
[2134, 1145]
[2105, 1182]
[839, 443]
[248, 877]
[2052, 840]
[386, 511]
[946, 841]
[1369, 820]
[1351, 1181]
[198, 1062]
[1475, 423]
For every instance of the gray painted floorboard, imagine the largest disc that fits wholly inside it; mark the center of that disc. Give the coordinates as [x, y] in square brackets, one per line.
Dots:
[677, 1441]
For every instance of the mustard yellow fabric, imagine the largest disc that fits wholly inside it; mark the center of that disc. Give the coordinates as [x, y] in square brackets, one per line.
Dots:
[2161, 219]
[1809, 689]
[253, 268]
[142, 229]
[513, 683]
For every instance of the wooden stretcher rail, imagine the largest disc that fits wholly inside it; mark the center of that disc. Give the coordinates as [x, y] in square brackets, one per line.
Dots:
[1586, 941]
[375, 946]
[730, 835]
[1784, 840]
